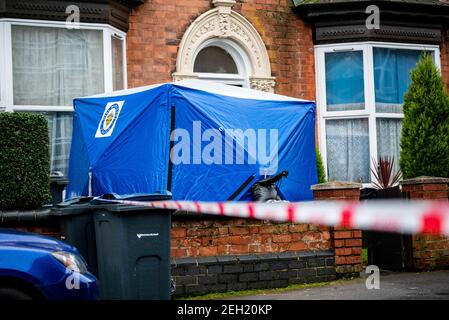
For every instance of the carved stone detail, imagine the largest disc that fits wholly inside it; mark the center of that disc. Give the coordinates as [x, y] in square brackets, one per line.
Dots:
[263, 84]
[223, 22]
[180, 76]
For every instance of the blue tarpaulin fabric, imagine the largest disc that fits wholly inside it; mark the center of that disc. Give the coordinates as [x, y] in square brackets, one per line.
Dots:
[199, 139]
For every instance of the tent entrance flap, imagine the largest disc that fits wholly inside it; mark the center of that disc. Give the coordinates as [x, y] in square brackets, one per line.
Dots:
[172, 143]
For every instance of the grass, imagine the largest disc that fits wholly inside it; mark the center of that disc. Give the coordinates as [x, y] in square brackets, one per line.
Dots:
[231, 294]
[364, 256]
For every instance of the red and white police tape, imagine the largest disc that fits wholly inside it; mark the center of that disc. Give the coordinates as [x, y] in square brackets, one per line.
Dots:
[393, 215]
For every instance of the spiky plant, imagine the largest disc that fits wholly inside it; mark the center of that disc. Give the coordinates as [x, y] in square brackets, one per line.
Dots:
[383, 173]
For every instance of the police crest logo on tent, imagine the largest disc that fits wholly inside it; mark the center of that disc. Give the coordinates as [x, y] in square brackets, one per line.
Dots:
[109, 119]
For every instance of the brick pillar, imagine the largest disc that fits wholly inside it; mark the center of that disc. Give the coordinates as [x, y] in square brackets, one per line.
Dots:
[347, 243]
[429, 251]
[426, 188]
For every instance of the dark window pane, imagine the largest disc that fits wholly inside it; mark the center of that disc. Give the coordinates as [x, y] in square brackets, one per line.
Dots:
[215, 60]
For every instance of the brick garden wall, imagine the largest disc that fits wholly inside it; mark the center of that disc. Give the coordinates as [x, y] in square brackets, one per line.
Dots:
[429, 251]
[156, 29]
[214, 254]
[211, 236]
[48, 228]
[201, 275]
[347, 243]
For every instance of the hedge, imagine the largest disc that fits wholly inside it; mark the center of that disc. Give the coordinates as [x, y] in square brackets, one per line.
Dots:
[320, 167]
[24, 161]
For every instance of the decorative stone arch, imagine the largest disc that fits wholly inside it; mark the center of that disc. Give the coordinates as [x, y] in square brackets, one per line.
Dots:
[224, 23]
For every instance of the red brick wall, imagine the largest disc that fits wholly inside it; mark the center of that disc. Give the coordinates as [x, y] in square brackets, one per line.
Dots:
[212, 237]
[431, 191]
[444, 54]
[337, 194]
[347, 243]
[429, 251]
[47, 227]
[157, 27]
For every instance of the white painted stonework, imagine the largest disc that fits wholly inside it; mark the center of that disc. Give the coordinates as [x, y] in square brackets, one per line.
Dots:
[224, 23]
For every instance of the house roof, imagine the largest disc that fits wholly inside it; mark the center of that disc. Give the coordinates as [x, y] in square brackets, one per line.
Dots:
[408, 21]
[298, 3]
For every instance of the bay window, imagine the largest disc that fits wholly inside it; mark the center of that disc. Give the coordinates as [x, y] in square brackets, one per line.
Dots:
[360, 90]
[118, 67]
[46, 65]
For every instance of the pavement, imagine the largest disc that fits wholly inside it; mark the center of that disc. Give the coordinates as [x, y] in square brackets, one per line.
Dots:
[393, 286]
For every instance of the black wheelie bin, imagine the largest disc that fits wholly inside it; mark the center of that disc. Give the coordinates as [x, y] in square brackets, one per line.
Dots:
[133, 248]
[78, 229]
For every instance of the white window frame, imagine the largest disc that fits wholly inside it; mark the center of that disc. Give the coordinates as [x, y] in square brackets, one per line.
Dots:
[6, 67]
[370, 106]
[238, 55]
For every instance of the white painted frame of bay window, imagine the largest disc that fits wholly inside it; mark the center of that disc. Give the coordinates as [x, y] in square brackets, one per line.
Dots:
[2, 68]
[6, 72]
[122, 36]
[370, 104]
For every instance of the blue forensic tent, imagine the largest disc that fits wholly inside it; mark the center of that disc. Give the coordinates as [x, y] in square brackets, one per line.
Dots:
[200, 140]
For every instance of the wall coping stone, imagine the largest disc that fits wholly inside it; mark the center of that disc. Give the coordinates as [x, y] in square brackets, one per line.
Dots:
[207, 260]
[248, 257]
[424, 180]
[316, 253]
[251, 257]
[227, 259]
[288, 255]
[336, 185]
[187, 260]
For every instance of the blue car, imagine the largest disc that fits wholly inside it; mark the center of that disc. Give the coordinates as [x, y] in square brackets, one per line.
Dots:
[34, 267]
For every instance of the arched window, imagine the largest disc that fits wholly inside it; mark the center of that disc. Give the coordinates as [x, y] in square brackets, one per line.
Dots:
[223, 46]
[223, 61]
[215, 60]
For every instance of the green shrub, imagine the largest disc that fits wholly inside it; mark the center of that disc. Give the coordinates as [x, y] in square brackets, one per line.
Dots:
[320, 167]
[425, 130]
[24, 161]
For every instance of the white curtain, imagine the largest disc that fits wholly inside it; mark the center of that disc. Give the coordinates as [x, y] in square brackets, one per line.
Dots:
[389, 139]
[117, 64]
[348, 150]
[51, 66]
[60, 137]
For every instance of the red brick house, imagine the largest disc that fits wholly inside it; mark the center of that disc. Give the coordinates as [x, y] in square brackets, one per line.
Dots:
[321, 50]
